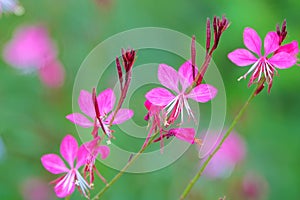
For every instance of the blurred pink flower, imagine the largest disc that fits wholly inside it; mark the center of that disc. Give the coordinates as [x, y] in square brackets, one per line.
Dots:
[232, 152]
[264, 66]
[31, 49]
[254, 186]
[90, 150]
[11, 6]
[105, 101]
[174, 104]
[65, 185]
[36, 189]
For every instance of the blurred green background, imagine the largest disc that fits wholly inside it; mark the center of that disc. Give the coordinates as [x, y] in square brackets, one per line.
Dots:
[32, 117]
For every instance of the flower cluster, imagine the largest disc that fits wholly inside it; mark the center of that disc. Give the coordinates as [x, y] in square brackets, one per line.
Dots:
[166, 105]
[98, 113]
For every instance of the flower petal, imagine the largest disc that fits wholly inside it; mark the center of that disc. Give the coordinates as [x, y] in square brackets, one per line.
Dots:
[186, 74]
[242, 57]
[66, 186]
[122, 116]
[104, 151]
[252, 40]
[30, 47]
[159, 96]
[54, 164]
[82, 155]
[86, 104]
[185, 134]
[291, 48]
[271, 43]
[106, 101]
[168, 77]
[69, 149]
[283, 60]
[52, 74]
[203, 93]
[80, 120]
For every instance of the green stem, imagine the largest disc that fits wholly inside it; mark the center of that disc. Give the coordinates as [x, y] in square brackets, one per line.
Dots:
[68, 197]
[134, 158]
[236, 119]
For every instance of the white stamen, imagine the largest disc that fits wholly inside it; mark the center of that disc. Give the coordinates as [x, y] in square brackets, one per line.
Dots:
[250, 70]
[84, 186]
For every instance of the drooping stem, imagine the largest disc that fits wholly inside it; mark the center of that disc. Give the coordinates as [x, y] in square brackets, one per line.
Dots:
[129, 163]
[236, 119]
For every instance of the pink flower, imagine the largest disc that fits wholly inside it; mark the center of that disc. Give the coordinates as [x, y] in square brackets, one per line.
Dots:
[155, 116]
[174, 104]
[105, 102]
[231, 152]
[31, 49]
[65, 185]
[90, 151]
[264, 66]
[36, 189]
[254, 186]
[184, 134]
[11, 6]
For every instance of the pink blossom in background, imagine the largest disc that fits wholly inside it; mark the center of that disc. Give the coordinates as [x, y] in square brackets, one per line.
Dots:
[106, 101]
[232, 152]
[11, 6]
[174, 104]
[264, 65]
[65, 185]
[53, 74]
[31, 49]
[36, 189]
[254, 187]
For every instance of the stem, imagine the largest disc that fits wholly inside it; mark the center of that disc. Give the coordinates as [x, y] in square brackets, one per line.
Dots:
[236, 119]
[122, 97]
[134, 158]
[68, 197]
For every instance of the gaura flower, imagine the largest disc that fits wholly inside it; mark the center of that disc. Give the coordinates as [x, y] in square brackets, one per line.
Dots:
[155, 115]
[65, 185]
[174, 102]
[155, 118]
[105, 102]
[31, 49]
[11, 6]
[232, 152]
[184, 134]
[90, 150]
[264, 65]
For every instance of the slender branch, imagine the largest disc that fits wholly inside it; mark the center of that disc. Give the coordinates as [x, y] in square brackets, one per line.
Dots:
[129, 163]
[236, 119]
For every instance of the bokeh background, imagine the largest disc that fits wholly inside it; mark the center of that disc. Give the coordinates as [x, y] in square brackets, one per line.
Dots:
[32, 116]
